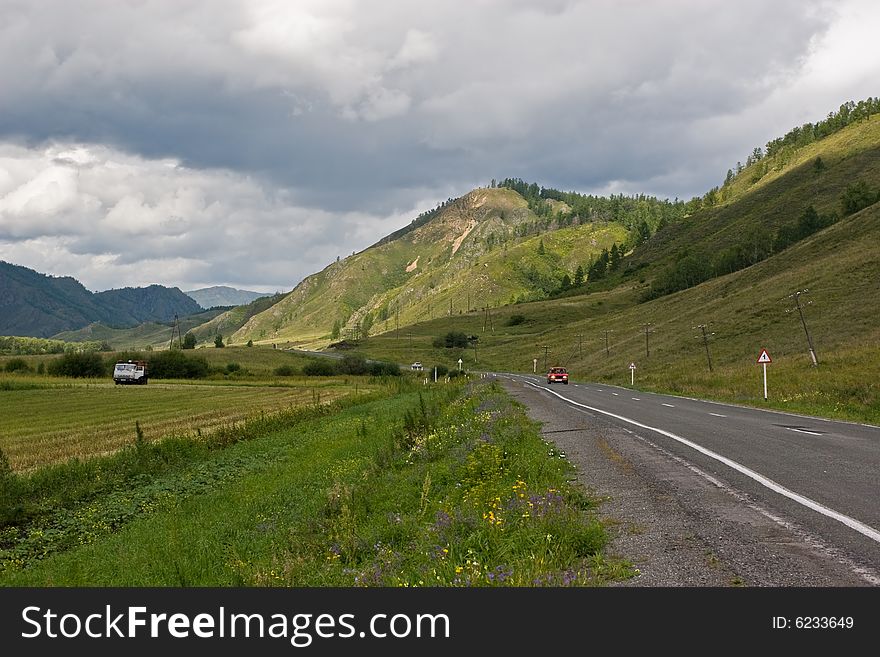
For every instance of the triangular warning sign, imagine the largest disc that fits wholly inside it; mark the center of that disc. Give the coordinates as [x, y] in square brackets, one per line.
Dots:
[764, 357]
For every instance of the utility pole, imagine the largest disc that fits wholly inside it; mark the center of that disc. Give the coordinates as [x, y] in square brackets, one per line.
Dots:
[450, 306]
[545, 348]
[175, 325]
[797, 300]
[607, 350]
[648, 330]
[580, 342]
[468, 301]
[703, 328]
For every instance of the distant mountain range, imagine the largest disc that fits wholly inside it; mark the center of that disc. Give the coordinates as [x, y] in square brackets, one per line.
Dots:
[221, 295]
[34, 304]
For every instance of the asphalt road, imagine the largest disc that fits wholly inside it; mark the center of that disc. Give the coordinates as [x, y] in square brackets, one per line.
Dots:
[816, 480]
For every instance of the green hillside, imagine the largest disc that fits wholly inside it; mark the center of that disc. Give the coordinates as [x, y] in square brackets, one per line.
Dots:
[483, 249]
[744, 311]
[226, 323]
[152, 334]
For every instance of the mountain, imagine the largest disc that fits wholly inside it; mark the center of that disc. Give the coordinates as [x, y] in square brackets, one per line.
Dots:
[153, 334]
[516, 242]
[490, 247]
[228, 322]
[783, 256]
[221, 295]
[34, 304]
[129, 306]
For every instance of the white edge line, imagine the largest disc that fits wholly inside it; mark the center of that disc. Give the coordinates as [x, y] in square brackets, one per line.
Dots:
[812, 433]
[749, 408]
[669, 405]
[717, 414]
[852, 523]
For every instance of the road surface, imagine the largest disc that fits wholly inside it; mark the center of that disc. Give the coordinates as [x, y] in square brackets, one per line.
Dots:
[714, 494]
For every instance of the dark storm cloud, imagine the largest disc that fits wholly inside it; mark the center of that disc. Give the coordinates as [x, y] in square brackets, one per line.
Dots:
[248, 130]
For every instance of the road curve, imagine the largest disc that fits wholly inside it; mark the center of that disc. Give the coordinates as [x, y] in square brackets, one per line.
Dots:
[812, 481]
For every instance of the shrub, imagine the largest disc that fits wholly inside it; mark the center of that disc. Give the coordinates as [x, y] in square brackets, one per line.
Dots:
[189, 340]
[319, 367]
[384, 369]
[78, 365]
[233, 367]
[352, 364]
[285, 370]
[177, 365]
[218, 341]
[17, 365]
[515, 320]
[452, 339]
[442, 370]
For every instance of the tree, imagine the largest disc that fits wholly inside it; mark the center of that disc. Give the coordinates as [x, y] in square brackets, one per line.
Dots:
[818, 165]
[189, 341]
[614, 257]
[250, 343]
[857, 196]
[218, 341]
[541, 250]
[337, 327]
[566, 282]
[366, 324]
[579, 276]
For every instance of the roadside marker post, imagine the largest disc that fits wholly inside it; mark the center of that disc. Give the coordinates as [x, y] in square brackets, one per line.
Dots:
[763, 359]
[535, 365]
[632, 374]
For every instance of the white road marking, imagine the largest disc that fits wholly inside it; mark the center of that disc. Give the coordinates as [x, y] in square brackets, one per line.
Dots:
[635, 399]
[669, 405]
[812, 433]
[852, 523]
[717, 414]
[615, 394]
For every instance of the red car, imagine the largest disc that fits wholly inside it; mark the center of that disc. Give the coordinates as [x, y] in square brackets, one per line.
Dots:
[557, 375]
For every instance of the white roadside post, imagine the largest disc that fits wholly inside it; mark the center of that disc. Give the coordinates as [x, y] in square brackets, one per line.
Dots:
[459, 364]
[632, 374]
[763, 359]
[535, 365]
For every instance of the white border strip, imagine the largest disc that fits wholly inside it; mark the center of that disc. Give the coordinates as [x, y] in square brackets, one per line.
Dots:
[852, 523]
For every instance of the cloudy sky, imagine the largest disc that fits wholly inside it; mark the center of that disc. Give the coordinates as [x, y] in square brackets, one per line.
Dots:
[251, 142]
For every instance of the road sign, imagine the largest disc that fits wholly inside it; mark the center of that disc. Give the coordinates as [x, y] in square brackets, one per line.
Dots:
[459, 364]
[632, 366]
[763, 359]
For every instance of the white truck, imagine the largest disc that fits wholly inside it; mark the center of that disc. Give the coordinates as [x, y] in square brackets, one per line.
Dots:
[132, 371]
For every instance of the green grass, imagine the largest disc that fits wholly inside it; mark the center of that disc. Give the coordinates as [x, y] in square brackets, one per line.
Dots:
[420, 489]
[41, 425]
[745, 311]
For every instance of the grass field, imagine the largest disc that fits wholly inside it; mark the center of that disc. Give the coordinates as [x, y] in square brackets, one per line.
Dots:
[423, 488]
[50, 425]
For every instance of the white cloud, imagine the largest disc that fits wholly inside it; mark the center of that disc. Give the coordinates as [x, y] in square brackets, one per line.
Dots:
[214, 141]
[112, 219]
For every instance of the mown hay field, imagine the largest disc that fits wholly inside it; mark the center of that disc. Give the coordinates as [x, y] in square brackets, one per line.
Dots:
[43, 424]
